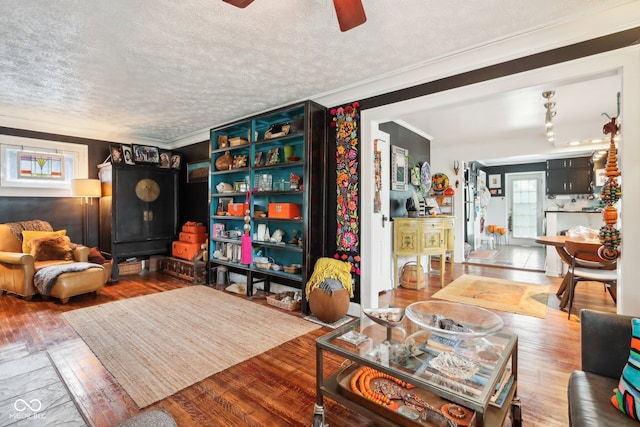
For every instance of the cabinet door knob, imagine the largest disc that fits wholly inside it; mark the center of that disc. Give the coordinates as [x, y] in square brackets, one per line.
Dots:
[384, 218]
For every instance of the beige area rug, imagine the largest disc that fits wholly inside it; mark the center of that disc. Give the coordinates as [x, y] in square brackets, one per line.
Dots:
[159, 344]
[498, 294]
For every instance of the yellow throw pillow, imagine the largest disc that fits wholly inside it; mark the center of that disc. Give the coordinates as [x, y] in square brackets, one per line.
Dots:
[28, 236]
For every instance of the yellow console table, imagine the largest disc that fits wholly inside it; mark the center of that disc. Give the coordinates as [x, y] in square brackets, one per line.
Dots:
[430, 235]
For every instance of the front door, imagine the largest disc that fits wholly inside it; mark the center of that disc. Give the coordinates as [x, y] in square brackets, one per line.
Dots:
[524, 207]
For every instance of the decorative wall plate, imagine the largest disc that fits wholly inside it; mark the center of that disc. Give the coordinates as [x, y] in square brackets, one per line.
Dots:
[439, 182]
[425, 176]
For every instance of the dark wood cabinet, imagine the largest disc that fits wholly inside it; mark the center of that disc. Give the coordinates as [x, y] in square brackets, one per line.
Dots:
[138, 211]
[569, 176]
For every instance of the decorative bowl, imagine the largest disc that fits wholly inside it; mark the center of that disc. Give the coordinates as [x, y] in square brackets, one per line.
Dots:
[276, 267]
[292, 268]
[385, 316]
[465, 321]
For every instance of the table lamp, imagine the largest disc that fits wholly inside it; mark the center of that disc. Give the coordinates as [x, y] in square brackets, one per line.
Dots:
[87, 189]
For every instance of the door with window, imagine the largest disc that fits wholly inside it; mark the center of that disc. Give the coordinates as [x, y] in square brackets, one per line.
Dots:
[525, 203]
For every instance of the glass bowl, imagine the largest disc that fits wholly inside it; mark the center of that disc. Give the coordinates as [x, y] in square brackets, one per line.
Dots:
[467, 321]
[385, 316]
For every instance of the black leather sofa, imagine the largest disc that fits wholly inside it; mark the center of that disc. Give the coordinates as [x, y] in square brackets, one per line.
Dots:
[605, 340]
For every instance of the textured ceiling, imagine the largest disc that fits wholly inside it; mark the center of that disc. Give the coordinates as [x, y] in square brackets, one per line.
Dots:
[159, 70]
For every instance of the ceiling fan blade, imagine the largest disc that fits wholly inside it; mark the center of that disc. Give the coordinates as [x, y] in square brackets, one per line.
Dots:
[239, 3]
[350, 13]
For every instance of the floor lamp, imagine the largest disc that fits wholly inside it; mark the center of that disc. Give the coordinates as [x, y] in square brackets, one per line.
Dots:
[87, 189]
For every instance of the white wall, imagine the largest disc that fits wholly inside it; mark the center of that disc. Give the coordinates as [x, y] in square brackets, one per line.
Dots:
[442, 155]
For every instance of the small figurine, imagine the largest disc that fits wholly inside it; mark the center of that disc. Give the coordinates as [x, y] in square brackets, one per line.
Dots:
[295, 239]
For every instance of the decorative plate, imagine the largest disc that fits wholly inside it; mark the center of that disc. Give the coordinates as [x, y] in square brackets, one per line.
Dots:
[425, 177]
[439, 182]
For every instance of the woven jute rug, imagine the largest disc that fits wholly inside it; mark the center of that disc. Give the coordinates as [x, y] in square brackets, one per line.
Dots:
[498, 294]
[159, 344]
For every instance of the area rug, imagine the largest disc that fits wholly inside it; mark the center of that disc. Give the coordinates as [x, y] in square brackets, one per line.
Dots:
[159, 344]
[498, 294]
[482, 254]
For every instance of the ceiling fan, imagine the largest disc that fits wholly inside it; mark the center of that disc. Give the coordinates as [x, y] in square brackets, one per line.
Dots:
[350, 12]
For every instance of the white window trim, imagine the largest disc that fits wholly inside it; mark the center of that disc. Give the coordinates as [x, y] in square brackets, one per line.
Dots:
[10, 188]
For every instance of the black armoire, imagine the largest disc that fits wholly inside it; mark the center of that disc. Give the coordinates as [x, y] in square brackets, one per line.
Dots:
[138, 211]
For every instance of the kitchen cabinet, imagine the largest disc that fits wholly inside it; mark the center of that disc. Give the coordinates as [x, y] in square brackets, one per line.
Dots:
[272, 166]
[138, 211]
[569, 176]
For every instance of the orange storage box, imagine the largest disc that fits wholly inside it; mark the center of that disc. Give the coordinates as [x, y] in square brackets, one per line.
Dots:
[194, 229]
[237, 209]
[284, 210]
[193, 237]
[185, 250]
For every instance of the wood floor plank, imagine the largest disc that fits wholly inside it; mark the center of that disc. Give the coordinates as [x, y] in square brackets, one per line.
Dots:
[277, 388]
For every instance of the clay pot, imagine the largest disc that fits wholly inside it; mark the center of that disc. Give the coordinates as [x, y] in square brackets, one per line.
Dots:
[224, 162]
[329, 307]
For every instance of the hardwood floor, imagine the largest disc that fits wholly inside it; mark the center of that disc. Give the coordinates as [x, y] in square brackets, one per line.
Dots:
[277, 388]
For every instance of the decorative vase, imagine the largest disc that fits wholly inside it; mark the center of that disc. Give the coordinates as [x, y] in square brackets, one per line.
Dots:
[224, 162]
[329, 307]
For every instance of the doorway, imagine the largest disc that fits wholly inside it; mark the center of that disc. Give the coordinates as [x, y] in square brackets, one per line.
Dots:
[524, 201]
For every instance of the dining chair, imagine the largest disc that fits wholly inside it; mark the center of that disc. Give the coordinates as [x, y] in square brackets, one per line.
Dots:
[587, 265]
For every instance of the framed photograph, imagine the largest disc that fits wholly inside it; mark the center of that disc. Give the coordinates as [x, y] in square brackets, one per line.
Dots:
[239, 186]
[198, 171]
[146, 154]
[495, 181]
[273, 157]
[116, 153]
[128, 154]
[165, 159]
[223, 205]
[176, 161]
[258, 161]
[399, 168]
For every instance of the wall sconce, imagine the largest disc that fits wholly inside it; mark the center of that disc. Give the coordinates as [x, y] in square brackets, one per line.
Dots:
[456, 166]
[87, 189]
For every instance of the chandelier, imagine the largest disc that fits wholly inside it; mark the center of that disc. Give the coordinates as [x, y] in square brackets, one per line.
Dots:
[549, 115]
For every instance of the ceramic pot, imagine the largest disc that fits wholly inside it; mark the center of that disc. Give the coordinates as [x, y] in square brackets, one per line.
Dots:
[224, 162]
[329, 307]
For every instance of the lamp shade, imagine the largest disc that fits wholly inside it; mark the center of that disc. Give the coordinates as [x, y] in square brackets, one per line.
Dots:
[85, 188]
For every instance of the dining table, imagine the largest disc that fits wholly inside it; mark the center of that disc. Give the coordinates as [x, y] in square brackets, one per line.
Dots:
[558, 243]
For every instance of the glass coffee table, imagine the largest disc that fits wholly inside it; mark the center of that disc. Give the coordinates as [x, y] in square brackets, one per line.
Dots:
[453, 380]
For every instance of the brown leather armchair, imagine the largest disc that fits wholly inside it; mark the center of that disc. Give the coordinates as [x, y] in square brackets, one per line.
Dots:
[17, 268]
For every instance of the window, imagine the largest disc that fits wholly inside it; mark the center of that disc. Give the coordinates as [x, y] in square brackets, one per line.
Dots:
[40, 168]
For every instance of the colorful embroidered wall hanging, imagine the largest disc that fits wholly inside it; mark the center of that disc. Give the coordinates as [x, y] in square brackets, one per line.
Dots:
[346, 120]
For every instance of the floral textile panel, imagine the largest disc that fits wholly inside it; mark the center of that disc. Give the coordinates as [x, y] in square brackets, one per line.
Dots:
[346, 120]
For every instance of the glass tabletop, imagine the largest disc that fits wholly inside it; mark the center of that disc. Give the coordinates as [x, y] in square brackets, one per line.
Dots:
[466, 369]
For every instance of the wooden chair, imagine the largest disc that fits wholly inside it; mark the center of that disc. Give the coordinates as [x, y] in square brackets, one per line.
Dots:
[586, 265]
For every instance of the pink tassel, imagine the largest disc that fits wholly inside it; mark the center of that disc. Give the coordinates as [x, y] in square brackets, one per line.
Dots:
[247, 252]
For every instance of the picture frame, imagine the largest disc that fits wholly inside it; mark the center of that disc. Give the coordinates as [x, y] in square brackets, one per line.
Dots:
[198, 171]
[239, 186]
[128, 154]
[495, 181]
[258, 161]
[165, 159]
[223, 204]
[176, 161]
[273, 157]
[116, 153]
[399, 168]
[146, 154]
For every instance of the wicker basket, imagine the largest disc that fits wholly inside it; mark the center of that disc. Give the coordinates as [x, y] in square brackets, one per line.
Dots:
[412, 276]
[108, 267]
[130, 267]
[275, 300]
